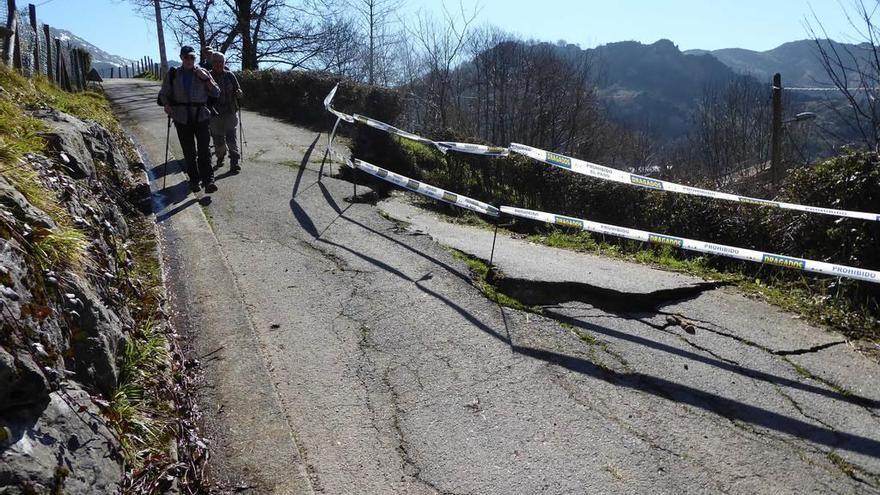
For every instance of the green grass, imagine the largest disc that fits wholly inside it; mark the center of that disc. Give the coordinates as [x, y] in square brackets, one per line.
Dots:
[61, 247]
[793, 294]
[139, 409]
[417, 152]
[149, 76]
[19, 133]
[26, 180]
[136, 410]
[482, 274]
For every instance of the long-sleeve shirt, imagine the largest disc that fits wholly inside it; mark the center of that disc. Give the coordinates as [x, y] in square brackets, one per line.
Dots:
[188, 94]
[229, 92]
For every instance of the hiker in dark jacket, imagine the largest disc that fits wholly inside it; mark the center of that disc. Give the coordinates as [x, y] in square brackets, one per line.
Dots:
[205, 62]
[185, 95]
[225, 121]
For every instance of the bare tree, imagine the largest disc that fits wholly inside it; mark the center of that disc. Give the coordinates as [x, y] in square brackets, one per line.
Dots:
[198, 22]
[731, 129]
[286, 32]
[854, 70]
[342, 52]
[375, 18]
[440, 46]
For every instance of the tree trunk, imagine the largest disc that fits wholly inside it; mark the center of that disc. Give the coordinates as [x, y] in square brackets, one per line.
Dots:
[248, 45]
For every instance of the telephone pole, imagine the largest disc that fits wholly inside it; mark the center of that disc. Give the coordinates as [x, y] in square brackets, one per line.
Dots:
[776, 134]
[163, 59]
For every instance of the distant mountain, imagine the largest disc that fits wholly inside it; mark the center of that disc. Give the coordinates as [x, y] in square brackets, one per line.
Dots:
[797, 61]
[656, 87]
[100, 59]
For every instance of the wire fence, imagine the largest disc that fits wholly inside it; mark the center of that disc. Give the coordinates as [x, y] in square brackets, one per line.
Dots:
[35, 48]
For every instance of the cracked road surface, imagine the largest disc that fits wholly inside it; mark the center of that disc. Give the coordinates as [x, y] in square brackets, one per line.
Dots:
[344, 354]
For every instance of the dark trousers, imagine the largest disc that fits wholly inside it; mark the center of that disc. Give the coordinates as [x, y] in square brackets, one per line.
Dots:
[195, 139]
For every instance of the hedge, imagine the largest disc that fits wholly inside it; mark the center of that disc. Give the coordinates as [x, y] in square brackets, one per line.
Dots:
[850, 181]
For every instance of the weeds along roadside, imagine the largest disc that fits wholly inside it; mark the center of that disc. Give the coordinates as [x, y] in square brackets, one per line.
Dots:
[150, 410]
[816, 299]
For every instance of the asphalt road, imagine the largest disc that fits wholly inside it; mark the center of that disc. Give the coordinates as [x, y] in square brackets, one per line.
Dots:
[345, 352]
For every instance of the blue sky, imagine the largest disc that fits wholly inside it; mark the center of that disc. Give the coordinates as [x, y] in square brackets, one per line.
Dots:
[114, 26]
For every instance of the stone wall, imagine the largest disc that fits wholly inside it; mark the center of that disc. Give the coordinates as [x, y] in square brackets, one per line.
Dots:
[64, 328]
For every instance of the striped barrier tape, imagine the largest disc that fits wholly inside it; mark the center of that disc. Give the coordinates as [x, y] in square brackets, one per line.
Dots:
[328, 100]
[425, 189]
[590, 169]
[699, 246]
[390, 129]
[474, 149]
[606, 173]
[442, 146]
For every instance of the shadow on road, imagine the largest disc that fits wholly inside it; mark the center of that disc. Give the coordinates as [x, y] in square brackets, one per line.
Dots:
[302, 168]
[162, 170]
[660, 387]
[718, 363]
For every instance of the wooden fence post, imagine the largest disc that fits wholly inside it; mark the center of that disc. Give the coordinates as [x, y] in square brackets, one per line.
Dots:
[32, 13]
[76, 57]
[83, 70]
[10, 42]
[74, 67]
[58, 77]
[16, 47]
[49, 72]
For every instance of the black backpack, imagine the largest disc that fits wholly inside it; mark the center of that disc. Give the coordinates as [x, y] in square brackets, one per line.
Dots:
[171, 73]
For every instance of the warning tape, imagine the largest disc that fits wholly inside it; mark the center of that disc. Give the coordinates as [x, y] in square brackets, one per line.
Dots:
[699, 246]
[442, 146]
[328, 105]
[590, 169]
[606, 173]
[425, 189]
[830, 89]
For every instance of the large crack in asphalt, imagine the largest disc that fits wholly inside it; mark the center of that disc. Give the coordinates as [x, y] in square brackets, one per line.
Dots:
[542, 293]
[549, 293]
[539, 295]
[638, 305]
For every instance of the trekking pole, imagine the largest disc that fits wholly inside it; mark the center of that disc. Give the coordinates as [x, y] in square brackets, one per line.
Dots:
[165, 166]
[240, 126]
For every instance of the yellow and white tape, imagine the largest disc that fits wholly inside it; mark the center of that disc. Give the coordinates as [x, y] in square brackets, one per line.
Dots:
[442, 146]
[590, 169]
[328, 104]
[425, 189]
[699, 246]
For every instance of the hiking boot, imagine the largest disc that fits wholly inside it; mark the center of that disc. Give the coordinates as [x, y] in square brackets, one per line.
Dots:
[194, 186]
[219, 164]
[234, 167]
[210, 187]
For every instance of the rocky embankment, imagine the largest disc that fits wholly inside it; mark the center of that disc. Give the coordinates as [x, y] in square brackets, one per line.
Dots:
[69, 305]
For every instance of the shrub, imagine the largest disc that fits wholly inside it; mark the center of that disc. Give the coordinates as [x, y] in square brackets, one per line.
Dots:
[850, 181]
[298, 96]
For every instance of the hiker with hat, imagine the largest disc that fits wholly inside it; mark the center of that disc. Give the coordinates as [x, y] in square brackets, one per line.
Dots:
[184, 95]
[205, 63]
[225, 121]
